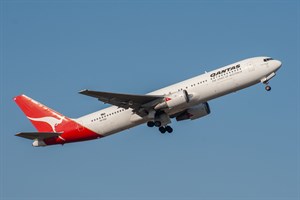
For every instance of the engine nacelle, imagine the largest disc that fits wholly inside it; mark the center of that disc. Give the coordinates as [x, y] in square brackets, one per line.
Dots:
[194, 112]
[174, 100]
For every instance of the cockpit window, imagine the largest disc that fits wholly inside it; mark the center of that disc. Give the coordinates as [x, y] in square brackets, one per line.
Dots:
[267, 59]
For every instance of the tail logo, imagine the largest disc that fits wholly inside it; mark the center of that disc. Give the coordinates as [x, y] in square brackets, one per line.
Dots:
[53, 122]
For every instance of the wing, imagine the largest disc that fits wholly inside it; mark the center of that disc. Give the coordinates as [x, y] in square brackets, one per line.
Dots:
[125, 100]
[37, 135]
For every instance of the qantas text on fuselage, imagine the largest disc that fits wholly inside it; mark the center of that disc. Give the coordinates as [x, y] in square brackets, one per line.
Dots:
[186, 100]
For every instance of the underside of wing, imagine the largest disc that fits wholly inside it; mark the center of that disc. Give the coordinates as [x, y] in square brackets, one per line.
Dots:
[124, 100]
[37, 135]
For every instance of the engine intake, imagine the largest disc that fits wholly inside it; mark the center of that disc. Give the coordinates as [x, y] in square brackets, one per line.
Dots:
[194, 112]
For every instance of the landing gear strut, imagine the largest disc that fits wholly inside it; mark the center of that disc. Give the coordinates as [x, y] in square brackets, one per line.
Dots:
[267, 88]
[157, 123]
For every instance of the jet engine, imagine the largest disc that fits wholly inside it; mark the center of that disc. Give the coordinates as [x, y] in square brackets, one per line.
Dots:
[194, 112]
[174, 100]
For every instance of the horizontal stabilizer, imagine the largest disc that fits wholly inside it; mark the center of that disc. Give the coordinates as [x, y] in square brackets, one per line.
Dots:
[37, 135]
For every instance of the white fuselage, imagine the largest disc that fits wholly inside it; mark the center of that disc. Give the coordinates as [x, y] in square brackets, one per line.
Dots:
[201, 89]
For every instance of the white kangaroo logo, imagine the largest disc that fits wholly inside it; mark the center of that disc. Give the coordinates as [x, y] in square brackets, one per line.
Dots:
[53, 122]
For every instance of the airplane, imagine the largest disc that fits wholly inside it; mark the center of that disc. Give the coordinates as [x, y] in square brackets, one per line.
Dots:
[186, 100]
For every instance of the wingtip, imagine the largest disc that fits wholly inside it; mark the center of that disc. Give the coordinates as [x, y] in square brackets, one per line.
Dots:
[18, 134]
[83, 91]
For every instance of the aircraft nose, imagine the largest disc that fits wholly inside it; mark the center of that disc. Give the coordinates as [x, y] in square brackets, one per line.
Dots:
[277, 64]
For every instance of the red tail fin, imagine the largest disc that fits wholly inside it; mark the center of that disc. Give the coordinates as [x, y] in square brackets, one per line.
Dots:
[48, 121]
[43, 118]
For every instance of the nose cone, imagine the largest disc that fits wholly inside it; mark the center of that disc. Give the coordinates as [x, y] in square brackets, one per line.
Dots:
[276, 64]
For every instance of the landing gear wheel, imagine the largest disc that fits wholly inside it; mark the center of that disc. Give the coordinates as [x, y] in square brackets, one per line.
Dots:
[169, 129]
[150, 124]
[162, 129]
[268, 88]
[157, 123]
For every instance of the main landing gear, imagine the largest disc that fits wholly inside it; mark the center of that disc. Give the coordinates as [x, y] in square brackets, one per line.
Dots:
[161, 128]
[164, 129]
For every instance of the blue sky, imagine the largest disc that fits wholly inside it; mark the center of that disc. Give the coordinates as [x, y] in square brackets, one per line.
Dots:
[247, 148]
